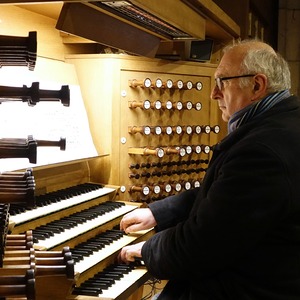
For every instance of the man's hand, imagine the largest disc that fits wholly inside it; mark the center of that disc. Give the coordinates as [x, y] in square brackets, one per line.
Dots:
[129, 253]
[139, 219]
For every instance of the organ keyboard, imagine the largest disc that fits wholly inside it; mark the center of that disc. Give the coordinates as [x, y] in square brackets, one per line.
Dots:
[57, 201]
[97, 248]
[84, 217]
[98, 287]
[61, 231]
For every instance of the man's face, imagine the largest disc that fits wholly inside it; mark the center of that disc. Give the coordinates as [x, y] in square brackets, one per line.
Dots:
[231, 97]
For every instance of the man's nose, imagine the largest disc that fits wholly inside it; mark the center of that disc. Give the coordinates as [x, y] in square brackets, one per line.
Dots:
[215, 93]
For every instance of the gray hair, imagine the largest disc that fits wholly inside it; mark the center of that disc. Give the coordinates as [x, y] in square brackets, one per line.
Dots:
[264, 60]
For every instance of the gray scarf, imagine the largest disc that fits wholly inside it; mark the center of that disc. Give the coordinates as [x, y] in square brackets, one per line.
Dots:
[254, 110]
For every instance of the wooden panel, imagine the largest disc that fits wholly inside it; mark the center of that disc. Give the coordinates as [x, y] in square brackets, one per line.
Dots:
[162, 118]
[218, 24]
[50, 179]
[79, 19]
[177, 14]
[48, 39]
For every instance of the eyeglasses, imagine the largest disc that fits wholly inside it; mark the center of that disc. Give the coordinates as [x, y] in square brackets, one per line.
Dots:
[219, 80]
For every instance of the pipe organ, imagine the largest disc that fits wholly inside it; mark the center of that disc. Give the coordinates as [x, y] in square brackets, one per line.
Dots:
[154, 128]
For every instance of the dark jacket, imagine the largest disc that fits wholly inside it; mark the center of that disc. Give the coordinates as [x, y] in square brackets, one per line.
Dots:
[236, 237]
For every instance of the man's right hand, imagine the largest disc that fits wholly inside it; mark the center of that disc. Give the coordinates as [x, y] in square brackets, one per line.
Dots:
[139, 219]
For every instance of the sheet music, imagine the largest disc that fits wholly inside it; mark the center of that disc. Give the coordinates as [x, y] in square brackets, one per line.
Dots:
[45, 121]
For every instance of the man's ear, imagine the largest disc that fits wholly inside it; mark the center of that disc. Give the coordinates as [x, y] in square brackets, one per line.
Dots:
[260, 86]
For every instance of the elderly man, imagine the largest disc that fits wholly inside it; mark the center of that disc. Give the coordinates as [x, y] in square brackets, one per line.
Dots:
[237, 237]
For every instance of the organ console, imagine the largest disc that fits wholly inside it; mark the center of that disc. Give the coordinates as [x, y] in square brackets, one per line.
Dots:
[84, 219]
[161, 139]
